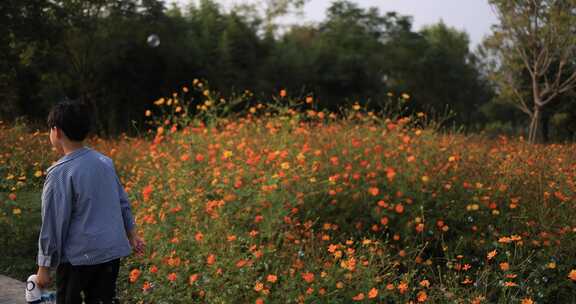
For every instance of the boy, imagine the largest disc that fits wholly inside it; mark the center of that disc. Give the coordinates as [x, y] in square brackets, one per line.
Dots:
[87, 223]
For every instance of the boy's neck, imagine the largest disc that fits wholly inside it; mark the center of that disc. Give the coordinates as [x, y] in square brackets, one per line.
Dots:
[72, 146]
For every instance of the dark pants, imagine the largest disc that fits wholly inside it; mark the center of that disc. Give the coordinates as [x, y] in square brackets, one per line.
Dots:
[97, 282]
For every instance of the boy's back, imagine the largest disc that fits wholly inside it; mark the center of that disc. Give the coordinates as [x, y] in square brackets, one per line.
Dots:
[84, 190]
[87, 224]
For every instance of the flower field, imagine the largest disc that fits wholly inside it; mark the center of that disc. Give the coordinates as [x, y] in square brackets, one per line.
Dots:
[276, 205]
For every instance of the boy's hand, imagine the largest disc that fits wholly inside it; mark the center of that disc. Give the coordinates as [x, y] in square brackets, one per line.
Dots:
[43, 277]
[136, 242]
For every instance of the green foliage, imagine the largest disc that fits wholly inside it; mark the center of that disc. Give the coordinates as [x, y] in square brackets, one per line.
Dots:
[95, 51]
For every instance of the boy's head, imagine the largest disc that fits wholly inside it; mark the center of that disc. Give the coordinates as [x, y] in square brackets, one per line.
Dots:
[69, 122]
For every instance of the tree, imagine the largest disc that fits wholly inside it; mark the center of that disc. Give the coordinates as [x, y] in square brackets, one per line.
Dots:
[533, 48]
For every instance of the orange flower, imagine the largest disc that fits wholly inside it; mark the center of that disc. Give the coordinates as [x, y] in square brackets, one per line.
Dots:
[373, 293]
[572, 275]
[510, 284]
[422, 296]
[146, 192]
[308, 277]
[172, 277]
[425, 283]
[402, 287]
[153, 269]
[390, 286]
[193, 278]
[390, 174]
[210, 259]
[258, 286]
[199, 236]
[399, 208]
[358, 297]
[272, 278]
[146, 286]
[491, 254]
[241, 263]
[259, 301]
[504, 266]
[134, 275]
[374, 191]
[526, 301]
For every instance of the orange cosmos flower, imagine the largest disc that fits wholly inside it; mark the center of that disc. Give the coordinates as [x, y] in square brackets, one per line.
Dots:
[259, 301]
[572, 275]
[146, 192]
[373, 293]
[491, 254]
[258, 286]
[358, 297]
[146, 286]
[271, 278]
[153, 269]
[504, 266]
[390, 174]
[193, 278]
[308, 277]
[210, 259]
[134, 275]
[172, 277]
[422, 296]
[373, 191]
[402, 287]
[399, 208]
[425, 283]
[526, 301]
[199, 236]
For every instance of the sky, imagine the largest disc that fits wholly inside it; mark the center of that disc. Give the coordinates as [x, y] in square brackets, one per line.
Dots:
[472, 16]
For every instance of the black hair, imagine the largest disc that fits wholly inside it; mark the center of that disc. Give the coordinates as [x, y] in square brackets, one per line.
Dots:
[72, 117]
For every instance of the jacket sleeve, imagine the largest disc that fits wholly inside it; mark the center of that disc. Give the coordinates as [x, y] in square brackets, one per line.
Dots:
[56, 212]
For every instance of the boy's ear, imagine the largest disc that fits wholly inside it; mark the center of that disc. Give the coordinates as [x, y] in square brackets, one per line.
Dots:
[59, 132]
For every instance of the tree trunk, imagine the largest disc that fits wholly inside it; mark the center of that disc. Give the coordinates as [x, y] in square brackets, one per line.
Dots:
[534, 125]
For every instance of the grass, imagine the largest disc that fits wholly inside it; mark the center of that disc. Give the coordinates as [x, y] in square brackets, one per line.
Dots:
[19, 234]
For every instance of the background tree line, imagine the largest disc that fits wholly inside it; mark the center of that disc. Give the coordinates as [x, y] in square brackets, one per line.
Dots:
[96, 51]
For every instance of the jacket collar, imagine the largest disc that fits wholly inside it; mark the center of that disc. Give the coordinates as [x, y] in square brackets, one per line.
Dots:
[70, 156]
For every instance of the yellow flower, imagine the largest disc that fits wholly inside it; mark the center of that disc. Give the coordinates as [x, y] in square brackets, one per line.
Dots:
[405, 96]
[258, 286]
[16, 211]
[148, 113]
[227, 154]
[38, 173]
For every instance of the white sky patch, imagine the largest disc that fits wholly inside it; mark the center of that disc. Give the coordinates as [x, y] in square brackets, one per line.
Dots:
[472, 16]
